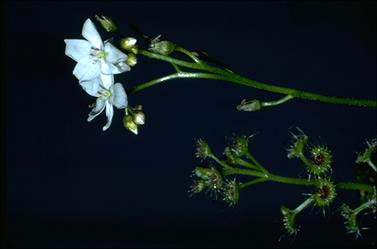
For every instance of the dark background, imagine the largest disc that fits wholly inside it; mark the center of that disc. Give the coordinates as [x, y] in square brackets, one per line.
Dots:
[68, 184]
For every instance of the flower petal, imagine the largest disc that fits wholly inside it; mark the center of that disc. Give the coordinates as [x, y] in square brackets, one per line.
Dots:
[108, 68]
[119, 96]
[77, 49]
[107, 80]
[114, 55]
[87, 69]
[109, 115]
[116, 59]
[98, 109]
[92, 87]
[90, 33]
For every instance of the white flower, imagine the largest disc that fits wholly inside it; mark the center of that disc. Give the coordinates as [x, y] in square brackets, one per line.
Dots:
[108, 95]
[93, 56]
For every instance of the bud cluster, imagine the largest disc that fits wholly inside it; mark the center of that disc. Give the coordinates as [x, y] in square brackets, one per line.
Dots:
[129, 44]
[238, 149]
[134, 117]
[320, 160]
[207, 177]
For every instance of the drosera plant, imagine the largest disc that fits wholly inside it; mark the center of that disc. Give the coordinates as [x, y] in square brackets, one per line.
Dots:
[100, 61]
[238, 160]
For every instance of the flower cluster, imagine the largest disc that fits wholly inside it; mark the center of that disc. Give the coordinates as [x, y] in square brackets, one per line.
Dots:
[206, 178]
[319, 163]
[97, 63]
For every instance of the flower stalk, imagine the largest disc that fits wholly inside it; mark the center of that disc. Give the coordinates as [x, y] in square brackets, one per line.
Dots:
[226, 75]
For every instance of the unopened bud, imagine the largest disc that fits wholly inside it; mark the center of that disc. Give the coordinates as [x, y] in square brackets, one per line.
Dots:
[139, 118]
[106, 23]
[128, 43]
[202, 149]
[249, 106]
[162, 47]
[231, 192]
[131, 59]
[134, 50]
[130, 124]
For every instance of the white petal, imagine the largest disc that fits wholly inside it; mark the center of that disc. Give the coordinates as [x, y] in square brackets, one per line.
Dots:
[114, 55]
[77, 49]
[109, 115]
[107, 68]
[92, 87]
[119, 96]
[90, 33]
[87, 69]
[97, 110]
[107, 80]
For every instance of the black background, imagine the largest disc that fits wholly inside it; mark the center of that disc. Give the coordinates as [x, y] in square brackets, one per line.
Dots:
[68, 184]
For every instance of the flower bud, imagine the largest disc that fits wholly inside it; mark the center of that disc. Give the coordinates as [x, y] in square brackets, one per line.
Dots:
[231, 158]
[131, 59]
[211, 176]
[201, 172]
[321, 160]
[231, 192]
[162, 47]
[202, 149]
[130, 124]
[350, 219]
[240, 146]
[289, 220]
[368, 155]
[249, 106]
[299, 142]
[128, 43]
[325, 194]
[134, 50]
[138, 108]
[106, 23]
[197, 187]
[139, 118]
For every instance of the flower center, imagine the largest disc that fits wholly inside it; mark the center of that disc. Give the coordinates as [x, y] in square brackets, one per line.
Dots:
[104, 94]
[97, 54]
[101, 54]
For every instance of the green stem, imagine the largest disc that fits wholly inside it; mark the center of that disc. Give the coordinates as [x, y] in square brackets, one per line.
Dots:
[222, 163]
[371, 164]
[188, 53]
[277, 102]
[246, 164]
[295, 181]
[235, 78]
[170, 77]
[252, 182]
[364, 206]
[252, 158]
[177, 69]
[305, 160]
[303, 205]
